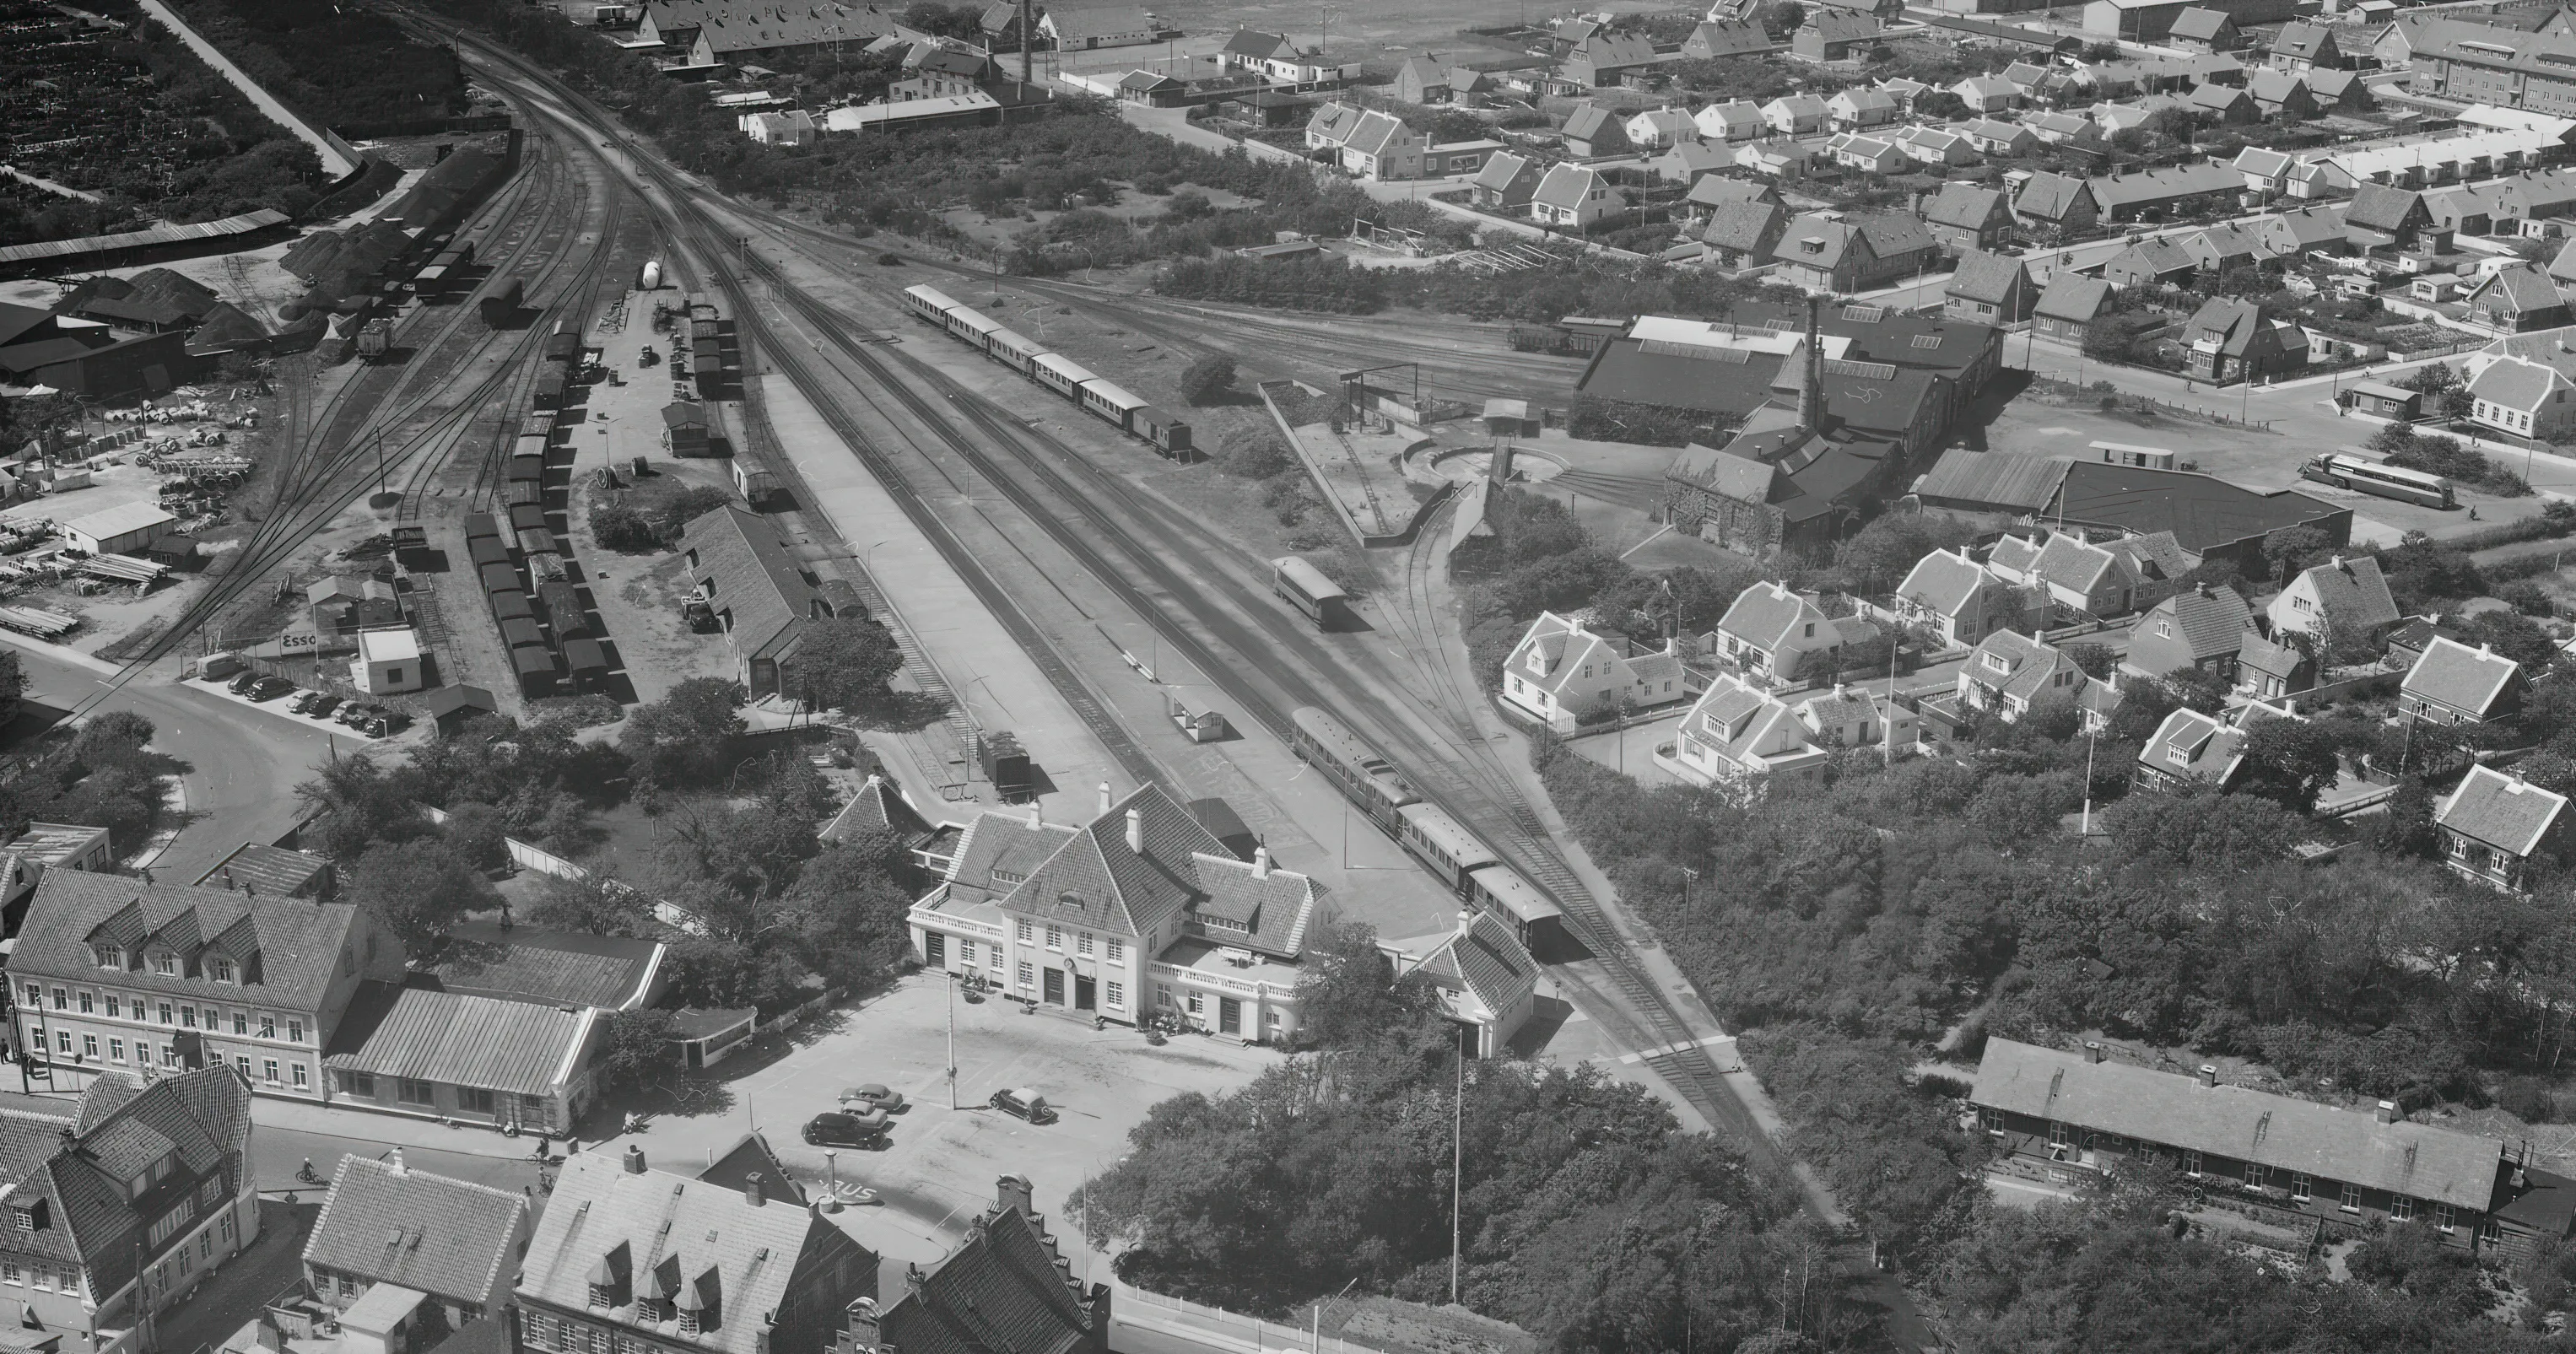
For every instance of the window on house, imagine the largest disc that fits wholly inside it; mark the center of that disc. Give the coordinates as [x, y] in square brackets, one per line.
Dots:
[116, 1050]
[168, 1224]
[268, 1070]
[474, 1099]
[1024, 931]
[1082, 945]
[165, 962]
[188, 1016]
[295, 1031]
[1055, 937]
[62, 999]
[1117, 950]
[1118, 995]
[86, 1003]
[2300, 1188]
[966, 953]
[411, 1092]
[1028, 974]
[241, 1023]
[63, 1041]
[297, 1075]
[164, 1011]
[89, 1046]
[2445, 1218]
[268, 1027]
[2351, 1198]
[358, 1083]
[221, 970]
[2191, 1163]
[169, 1055]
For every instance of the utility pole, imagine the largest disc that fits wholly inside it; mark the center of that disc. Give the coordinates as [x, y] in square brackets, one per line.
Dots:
[1457, 1159]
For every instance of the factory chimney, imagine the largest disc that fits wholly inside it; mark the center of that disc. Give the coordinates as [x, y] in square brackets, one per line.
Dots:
[1811, 392]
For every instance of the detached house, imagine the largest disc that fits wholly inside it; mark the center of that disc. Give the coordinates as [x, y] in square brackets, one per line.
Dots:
[1934, 146]
[1609, 58]
[1987, 93]
[2229, 340]
[1859, 107]
[1592, 131]
[1966, 216]
[2524, 398]
[1734, 120]
[455, 1243]
[1796, 114]
[2303, 47]
[1777, 635]
[1721, 39]
[2203, 629]
[1958, 599]
[2192, 749]
[1989, 289]
[2151, 263]
[1661, 128]
[1422, 79]
[2452, 683]
[2063, 129]
[2009, 672]
[1007, 1273]
[1992, 137]
[1507, 183]
[1837, 252]
[2052, 206]
[1743, 234]
[1561, 671]
[2082, 577]
[1737, 733]
[2388, 221]
[2344, 600]
[1868, 154]
[1480, 973]
[2516, 299]
[2066, 311]
[1835, 35]
[2279, 94]
[2205, 30]
[1573, 198]
[2495, 824]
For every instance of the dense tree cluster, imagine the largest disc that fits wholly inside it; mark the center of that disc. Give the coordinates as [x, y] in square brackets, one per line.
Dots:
[340, 65]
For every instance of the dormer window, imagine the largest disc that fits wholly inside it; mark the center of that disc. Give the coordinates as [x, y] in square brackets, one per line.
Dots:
[222, 971]
[111, 956]
[32, 1216]
[164, 962]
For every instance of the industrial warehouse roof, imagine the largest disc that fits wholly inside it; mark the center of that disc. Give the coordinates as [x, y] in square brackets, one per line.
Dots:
[1678, 376]
[2283, 1133]
[124, 518]
[2203, 512]
[386, 1222]
[247, 223]
[551, 968]
[1993, 479]
[454, 1039]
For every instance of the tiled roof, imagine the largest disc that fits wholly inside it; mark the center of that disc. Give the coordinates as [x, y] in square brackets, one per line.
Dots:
[2152, 555]
[2035, 667]
[2207, 621]
[732, 26]
[448, 1238]
[2517, 383]
[2312, 41]
[2521, 290]
[271, 870]
[1590, 121]
[1991, 278]
[753, 1155]
[1104, 21]
[1745, 725]
[1968, 206]
[2286, 1134]
[1566, 186]
[1945, 582]
[2503, 811]
[298, 942]
[551, 968]
[1502, 168]
[652, 1228]
[2000, 479]
[1332, 123]
[2450, 673]
[1768, 615]
[2048, 196]
[203, 1116]
[2073, 296]
[2149, 186]
[2274, 87]
[2353, 592]
[1486, 962]
[2381, 207]
[2202, 24]
[1749, 227]
[2190, 745]
[879, 806]
[758, 579]
[1253, 45]
[460, 1040]
[998, 1292]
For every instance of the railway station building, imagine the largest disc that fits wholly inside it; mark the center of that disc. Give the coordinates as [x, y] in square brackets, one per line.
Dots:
[741, 566]
[1139, 912]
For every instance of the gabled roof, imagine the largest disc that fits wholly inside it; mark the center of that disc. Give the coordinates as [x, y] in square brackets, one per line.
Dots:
[2449, 672]
[297, 942]
[1882, 235]
[1097, 21]
[1483, 960]
[1861, 99]
[999, 1292]
[2190, 745]
[1566, 186]
[648, 1227]
[2352, 592]
[1746, 227]
[458, 1039]
[2381, 207]
[2517, 383]
[2049, 196]
[1503, 168]
[2503, 811]
[1978, 88]
[2157, 258]
[390, 1224]
[2206, 621]
[2275, 87]
[1769, 616]
[1840, 25]
[2280, 1132]
[1728, 39]
[1946, 582]
[2203, 24]
[879, 806]
[1332, 123]
[1996, 129]
[1718, 189]
[758, 578]
[2520, 289]
[199, 1117]
[2149, 186]
[730, 26]
[1743, 723]
[1590, 122]
[2034, 666]
[2075, 297]
[1967, 206]
[2314, 42]
[1991, 278]
[550, 968]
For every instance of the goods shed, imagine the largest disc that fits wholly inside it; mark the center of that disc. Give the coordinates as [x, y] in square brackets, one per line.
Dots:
[127, 529]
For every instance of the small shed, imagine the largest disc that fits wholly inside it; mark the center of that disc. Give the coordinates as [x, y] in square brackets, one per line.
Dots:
[388, 662]
[126, 529]
[2385, 400]
[450, 707]
[684, 429]
[704, 1035]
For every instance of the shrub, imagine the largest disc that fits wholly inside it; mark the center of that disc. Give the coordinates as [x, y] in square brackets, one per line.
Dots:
[1208, 380]
[622, 529]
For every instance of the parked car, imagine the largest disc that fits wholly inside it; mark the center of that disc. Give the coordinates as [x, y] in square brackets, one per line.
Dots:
[846, 1130]
[350, 714]
[323, 706]
[385, 725]
[270, 688]
[303, 702]
[241, 684]
[1026, 1104]
[874, 1096]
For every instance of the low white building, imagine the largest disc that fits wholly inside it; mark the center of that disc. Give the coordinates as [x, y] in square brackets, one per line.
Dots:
[794, 127]
[1561, 671]
[126, 529]
[388, 662]
[1737, 732]
[1484, 977]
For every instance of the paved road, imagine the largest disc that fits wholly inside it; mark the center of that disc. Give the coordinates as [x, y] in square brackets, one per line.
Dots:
[241, 763]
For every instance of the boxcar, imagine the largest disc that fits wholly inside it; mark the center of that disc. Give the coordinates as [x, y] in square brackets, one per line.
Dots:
[551, 386]
[532, 444]
[508, 604]
[537, 541]
[1111, 402]
[587, 661]
[521, 630]
[562, 603]
[562, 346]
[1169, 435]
[1535, 917]
[498, 578]
[531, 469]
[929, 303]
[1303, 586]
[1061, 375]
[1364, 777]
[536, 667]
[1014, 349]
[538, 421]
[487, 550]
[1443, 843]
[480, 524]
[525, 518]
[525, 491]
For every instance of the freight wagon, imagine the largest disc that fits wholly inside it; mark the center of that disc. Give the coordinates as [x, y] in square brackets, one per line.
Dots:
[1029, 357]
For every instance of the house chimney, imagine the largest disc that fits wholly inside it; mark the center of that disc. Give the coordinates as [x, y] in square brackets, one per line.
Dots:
[228, 876]
[1261, 862]
[2094, 1052]
[2386, 1113]
[752, 1193]
[1811, 395]
[2208, 1075]
[1106, 803]
[1037, 815]
[394, 1161]
[1466, 922]
[1014, 1192]
[1136, 831]
[913, 1279]
[634, 1158]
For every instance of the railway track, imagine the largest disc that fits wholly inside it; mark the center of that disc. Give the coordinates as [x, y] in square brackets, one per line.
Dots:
[1211, 613]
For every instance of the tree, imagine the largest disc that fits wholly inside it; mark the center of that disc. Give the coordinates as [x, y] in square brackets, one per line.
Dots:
[622, 529]
[2513, 636]
[844, 663]
[596, 903]
[1347, 994]
[477, 833]
[421, 888]
[358, 803]
[730, 868]
[2433, 379]
[852, 906]
[1208, 380]
[684, 738]
[1877, 557]
[2096, 660]
[108, 739]
[2173, 124]
[635, 1051]
[1780, 18]
[13, 686]
[2290, 762]
[2291, 549]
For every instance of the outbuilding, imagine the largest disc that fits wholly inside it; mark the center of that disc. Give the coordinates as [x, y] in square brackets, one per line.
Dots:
[126, 529]
[388, 662]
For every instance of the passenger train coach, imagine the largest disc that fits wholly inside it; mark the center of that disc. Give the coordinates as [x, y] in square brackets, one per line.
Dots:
[1100, 398]
[1444, 845]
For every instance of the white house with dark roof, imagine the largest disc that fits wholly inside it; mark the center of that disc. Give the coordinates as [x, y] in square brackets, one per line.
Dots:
[2523, 398]
[2190, 748]
[1733, 120]
[1573, 197]
[455, 1242]
[1775, 634]
[2344, 598]
[1987, 93]
[2203, 629]
[1561, 671]
[757, 590]
[1989, 289]
[1934, 146]
[114, 975]
[1661, 128]
[630, 1257]
[2079, 575]
[1859, 107]
[2009, 672]
[1140, 911]
[1796, 114]
[2494, 824]
[2452, 683]
[1965, 216]
[1959, 600]
[465, 1058]
[1484, 978]
[1857, 717]
[122, 1202]
[1738, 733]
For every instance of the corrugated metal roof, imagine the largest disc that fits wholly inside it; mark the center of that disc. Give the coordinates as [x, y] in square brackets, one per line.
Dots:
[455, 1039]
